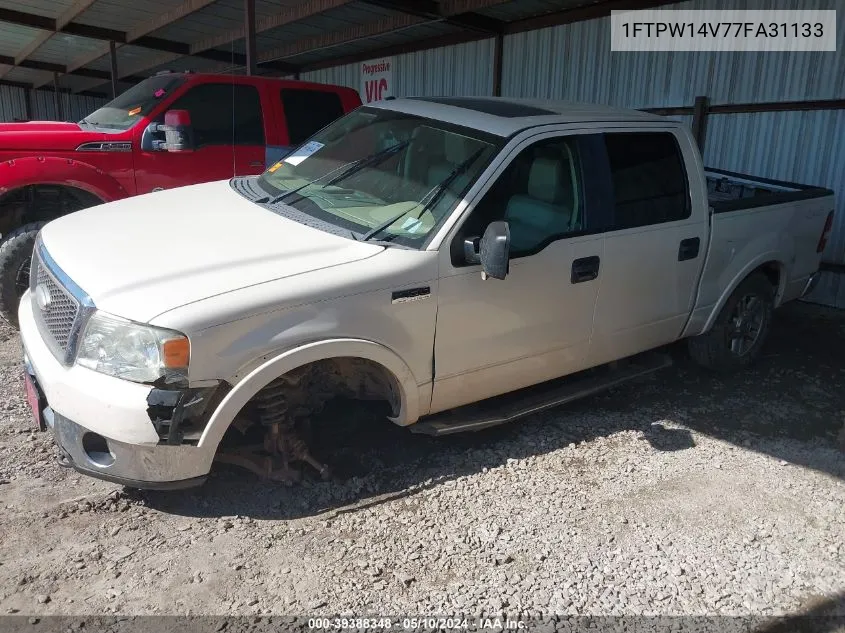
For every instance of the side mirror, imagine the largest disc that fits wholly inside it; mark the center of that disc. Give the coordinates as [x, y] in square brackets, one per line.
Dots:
[495, 250]
[178, 132]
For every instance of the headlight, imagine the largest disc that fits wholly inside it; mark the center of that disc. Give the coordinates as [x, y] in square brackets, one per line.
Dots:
[133, 351]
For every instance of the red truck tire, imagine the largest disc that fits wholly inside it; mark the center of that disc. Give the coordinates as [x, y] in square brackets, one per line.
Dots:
[15, 256]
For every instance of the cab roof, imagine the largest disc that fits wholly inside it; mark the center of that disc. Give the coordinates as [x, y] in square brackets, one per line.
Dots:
[504, 116]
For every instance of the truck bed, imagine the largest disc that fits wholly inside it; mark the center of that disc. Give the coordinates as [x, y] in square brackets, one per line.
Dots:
[731, 191]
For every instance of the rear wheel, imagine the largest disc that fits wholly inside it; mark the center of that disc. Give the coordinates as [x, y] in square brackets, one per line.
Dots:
[15, 258]
[736, 339]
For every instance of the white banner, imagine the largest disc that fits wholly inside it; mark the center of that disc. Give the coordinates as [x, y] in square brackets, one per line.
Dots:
[377, 79]
[730, 30]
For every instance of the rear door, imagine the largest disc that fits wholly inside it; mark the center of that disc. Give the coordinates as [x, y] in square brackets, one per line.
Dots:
[229, 135]
[654, 247]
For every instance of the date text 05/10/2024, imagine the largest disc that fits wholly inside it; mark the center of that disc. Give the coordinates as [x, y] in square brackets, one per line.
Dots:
[413, 624]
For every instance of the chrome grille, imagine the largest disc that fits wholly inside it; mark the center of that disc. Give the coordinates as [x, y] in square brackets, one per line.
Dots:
[60, 311]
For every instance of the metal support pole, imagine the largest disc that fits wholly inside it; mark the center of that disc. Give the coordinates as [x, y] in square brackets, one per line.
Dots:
[249, 35]
[57, 102]
[113, 60]
[28, 103]
[498, 49]
[699, 121]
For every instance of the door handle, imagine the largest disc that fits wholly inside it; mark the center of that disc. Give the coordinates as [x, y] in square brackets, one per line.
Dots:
[688, 249]
[585, 269]
[256, 163]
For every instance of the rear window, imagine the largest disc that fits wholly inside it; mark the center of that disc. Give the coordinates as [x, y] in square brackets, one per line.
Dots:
[649, 180]
[309, 111]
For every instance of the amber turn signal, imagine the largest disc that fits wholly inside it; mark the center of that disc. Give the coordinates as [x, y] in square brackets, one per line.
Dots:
[176, 352]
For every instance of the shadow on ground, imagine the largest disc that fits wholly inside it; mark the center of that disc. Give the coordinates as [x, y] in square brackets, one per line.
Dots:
[791, 406]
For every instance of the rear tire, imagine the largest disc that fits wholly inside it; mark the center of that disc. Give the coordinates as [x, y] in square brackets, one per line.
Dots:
[15, 257]
[736, 339]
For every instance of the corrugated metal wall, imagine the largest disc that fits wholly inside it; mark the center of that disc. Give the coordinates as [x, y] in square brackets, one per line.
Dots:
[574, 62]
[462, 70]
[12, 103]
[74, 107]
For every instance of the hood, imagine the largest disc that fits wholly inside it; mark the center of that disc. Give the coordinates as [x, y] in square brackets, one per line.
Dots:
[142, 256]
[47, 135]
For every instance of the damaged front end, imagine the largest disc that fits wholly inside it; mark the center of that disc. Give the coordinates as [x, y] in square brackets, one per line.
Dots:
[181, 415]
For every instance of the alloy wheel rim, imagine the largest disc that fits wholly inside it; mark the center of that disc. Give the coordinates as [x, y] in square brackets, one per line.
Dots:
[746, 324]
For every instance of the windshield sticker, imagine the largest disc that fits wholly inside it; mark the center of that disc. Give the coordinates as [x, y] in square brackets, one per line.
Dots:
[158, 94]
[411, 225]
[134, 111]
[302, 153]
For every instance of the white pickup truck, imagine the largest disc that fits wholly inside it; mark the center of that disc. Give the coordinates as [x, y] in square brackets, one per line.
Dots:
[460, 261]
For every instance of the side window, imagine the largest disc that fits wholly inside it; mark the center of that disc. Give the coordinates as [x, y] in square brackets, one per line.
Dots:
[649, 180]
[308, 111]
[222, 114]
[540, 195]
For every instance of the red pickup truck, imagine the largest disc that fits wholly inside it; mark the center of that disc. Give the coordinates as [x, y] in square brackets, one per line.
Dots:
[222, 125]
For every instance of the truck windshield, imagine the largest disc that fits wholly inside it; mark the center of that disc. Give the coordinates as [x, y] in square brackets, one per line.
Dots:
[137, 102]
[382, 174]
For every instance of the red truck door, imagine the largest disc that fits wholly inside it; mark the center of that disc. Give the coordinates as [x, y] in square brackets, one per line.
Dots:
[229, 135]
[306, 108]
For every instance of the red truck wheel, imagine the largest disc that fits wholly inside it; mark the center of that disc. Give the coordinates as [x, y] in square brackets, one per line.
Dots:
[15, 256]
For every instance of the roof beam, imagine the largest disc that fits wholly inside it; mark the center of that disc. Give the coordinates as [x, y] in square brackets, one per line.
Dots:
[431, 10]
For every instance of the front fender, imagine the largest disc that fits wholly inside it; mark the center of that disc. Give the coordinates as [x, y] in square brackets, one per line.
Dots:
[50, 170]
[286, 361]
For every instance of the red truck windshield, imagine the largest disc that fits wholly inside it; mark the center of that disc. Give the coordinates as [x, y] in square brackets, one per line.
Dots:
[124, 111]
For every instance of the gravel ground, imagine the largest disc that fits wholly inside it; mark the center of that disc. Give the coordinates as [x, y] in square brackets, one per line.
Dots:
[681, 494]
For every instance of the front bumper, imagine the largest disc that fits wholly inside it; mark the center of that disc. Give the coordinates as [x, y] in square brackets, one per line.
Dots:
[101, 424]
[126, 464]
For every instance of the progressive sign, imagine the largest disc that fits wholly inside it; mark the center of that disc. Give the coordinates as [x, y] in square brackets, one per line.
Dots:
[377, 79]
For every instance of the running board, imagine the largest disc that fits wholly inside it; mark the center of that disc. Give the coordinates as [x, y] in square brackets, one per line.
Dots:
[517, 404]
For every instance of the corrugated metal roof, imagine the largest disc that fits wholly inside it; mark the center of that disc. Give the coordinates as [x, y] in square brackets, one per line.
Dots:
[48, 8]
[335, 20]
[399, 36]
[14, 37]
[61, 48]
[123, 15]
[28, 75]
[509, 11]
[215, 19]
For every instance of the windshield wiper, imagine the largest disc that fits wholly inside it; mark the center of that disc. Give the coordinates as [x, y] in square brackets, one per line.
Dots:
[372, 159]
[435, 193]
[348, 170]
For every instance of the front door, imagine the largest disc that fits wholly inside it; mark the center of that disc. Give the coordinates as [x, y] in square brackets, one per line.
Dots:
[495, 336]
[229, 138]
